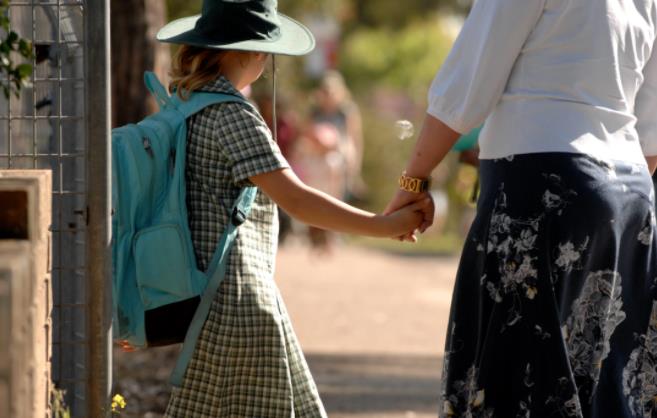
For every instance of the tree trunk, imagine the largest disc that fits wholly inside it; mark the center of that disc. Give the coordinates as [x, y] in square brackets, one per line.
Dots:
[134, 24]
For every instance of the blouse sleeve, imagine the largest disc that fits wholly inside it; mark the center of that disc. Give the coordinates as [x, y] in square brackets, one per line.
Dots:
[645, 107]
[474, 76]
[248, 144]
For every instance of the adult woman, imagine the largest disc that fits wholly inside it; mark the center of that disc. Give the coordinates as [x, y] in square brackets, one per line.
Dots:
[554, 312]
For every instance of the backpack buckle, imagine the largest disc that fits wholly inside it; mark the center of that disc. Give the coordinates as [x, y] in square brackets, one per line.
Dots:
[238, 217]
[147, 146]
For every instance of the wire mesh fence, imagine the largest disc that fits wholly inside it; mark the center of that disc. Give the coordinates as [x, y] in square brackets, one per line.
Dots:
[47, 128]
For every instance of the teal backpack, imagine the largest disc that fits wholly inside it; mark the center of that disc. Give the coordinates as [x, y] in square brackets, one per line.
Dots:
[159, 295]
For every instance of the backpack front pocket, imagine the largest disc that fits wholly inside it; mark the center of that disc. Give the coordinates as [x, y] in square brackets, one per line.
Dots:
[162, 265]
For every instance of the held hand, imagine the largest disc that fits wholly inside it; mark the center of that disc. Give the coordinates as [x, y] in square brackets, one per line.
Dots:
[407, 219]
[403, 198]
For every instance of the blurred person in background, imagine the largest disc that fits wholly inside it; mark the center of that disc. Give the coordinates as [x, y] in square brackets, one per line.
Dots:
[334, 106]
[554, 311]
[287, 137]
[320, 164]
[331, 155]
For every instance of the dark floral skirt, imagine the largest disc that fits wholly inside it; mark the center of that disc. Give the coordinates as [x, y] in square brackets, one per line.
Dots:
[554, 312]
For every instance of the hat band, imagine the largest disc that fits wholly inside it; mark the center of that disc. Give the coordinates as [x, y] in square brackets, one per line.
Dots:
[233, 22]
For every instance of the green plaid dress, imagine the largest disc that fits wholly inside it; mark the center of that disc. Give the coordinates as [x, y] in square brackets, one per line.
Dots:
[247, 361]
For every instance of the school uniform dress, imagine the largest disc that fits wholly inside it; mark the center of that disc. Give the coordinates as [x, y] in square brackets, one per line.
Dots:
[247, 362]
[554, 311]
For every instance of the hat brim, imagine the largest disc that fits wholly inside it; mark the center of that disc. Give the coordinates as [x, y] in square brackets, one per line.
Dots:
[295, 39]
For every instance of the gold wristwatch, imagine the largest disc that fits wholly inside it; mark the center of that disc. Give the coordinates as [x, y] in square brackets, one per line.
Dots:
[413, 184]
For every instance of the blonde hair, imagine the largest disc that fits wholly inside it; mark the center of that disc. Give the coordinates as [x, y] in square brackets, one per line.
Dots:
[193, 67]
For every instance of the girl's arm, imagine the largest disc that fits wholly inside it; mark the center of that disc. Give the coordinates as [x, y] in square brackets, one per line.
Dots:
[316, 208]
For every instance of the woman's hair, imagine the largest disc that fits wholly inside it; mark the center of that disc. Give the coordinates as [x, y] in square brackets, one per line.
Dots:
[193, 67]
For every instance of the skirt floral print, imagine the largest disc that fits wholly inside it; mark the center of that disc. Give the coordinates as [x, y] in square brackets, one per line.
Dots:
[554, 312]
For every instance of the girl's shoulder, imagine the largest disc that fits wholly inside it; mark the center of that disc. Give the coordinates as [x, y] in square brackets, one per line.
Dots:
[236, 117]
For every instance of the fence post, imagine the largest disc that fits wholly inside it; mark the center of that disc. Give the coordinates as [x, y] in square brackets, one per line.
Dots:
[98, 248]
[25, 293]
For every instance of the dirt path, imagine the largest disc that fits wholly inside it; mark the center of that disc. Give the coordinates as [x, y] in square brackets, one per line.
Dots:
[372, 325]
[363, 300]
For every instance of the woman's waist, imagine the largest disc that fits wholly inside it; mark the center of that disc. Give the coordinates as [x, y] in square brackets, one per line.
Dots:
[584, 113]
[564, 171]
[525, 127]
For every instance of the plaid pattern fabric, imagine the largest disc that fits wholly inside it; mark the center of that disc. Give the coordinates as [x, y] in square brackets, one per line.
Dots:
[247, 361]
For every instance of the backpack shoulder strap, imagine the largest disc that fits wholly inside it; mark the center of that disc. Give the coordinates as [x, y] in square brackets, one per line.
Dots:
[197, 102]
[200, 100]
[216, 273]
[157, 90]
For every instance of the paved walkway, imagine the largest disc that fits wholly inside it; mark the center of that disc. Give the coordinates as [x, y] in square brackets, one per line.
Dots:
[372, 325]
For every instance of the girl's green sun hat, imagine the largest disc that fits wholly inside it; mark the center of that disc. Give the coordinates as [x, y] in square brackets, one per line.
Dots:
[245, 25]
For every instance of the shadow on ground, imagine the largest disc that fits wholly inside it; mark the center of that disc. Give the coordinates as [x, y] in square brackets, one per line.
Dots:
[350, 385]
[372, 385]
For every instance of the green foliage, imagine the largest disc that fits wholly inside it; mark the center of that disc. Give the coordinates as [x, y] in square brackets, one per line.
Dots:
[17, 74]
[397, 14]
[405, 59]
[181, 8]
[353, 12]
[58, 405]
[329, 7]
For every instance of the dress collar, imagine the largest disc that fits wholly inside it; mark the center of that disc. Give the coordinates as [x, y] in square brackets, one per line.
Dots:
[221, 85]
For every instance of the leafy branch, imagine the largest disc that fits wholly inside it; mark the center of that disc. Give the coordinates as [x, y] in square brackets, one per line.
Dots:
[17, 75]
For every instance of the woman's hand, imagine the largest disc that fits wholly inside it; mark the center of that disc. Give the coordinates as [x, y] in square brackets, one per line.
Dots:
[405, 220]
[403, 198]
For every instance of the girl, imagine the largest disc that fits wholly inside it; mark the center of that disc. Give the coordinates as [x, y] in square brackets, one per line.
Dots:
[554, 312]
[247, 362]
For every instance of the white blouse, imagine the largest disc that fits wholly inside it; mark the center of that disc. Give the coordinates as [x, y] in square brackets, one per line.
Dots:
[554, 76]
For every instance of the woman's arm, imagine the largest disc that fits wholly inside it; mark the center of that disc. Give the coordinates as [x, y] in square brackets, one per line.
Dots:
[644, 110]
[434, 142]
[652, 163]
[316, 208]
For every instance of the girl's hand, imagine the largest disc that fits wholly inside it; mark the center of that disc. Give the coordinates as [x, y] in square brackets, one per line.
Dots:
[403, 198]
[404, 221]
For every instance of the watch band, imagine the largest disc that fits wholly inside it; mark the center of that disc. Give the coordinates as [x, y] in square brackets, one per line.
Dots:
[413, 184]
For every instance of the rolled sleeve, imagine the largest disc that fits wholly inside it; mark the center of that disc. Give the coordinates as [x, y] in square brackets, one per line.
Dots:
[475, 73]
[249, 145]
[645, 107]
